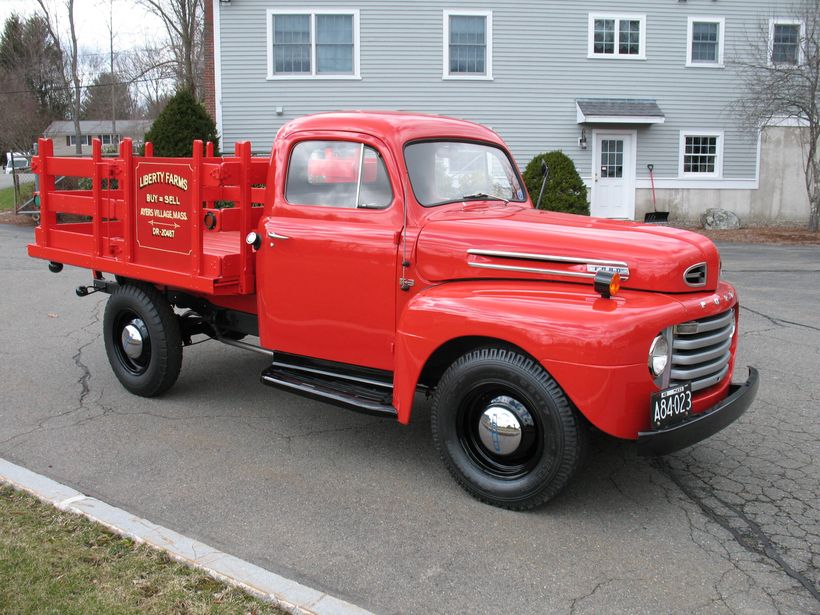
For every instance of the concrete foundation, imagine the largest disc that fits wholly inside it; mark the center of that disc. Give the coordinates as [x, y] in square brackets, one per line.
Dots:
[779, 200]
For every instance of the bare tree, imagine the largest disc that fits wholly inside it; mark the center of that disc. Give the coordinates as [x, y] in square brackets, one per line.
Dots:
[781, 72]
[183, 20]
[72, 79]
[151, 71]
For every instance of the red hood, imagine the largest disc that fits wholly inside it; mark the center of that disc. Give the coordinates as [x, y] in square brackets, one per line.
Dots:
[497, 241]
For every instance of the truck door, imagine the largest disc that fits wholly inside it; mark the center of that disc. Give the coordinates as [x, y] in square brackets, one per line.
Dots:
[328, 262]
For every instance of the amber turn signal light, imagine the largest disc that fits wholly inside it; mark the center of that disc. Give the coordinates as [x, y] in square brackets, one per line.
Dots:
[607, 283]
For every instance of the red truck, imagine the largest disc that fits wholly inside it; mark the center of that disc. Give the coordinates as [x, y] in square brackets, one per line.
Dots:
[376, 255]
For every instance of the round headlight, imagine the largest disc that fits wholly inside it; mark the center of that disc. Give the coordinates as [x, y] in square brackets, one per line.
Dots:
[658, 355]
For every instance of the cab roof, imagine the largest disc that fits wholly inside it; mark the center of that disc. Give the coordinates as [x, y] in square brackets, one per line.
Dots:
[397, 126]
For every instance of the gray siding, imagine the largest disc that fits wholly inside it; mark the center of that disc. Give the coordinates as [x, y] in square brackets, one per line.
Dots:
[540, 67]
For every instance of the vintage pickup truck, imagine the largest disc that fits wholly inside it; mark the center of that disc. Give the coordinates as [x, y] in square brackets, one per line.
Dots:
[376, 255]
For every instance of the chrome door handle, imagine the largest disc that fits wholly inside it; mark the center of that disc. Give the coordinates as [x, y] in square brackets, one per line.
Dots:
[274, 235]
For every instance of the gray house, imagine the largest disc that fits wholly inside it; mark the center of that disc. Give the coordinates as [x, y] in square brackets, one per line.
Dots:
[64, 137]
[619, 87]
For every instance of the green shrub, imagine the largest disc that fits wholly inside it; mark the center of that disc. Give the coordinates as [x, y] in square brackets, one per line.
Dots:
[565, 191]
[183, 120]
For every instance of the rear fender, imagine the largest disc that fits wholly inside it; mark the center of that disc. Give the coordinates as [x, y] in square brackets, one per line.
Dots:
[566, 323]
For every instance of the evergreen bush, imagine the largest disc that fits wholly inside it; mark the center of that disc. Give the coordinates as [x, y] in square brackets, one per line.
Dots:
[183, 120]
[565, 191]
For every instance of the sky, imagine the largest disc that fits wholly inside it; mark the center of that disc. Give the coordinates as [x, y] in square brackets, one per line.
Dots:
[132, 23]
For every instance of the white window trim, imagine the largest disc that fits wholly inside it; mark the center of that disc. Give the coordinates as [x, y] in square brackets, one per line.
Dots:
[488, 62]
[721, 21]
[617, 55]
[786, 22]
[85, 140]
[718, 172]
[272, 76]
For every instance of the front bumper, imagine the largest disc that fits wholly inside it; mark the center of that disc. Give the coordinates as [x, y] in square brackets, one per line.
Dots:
[703, 425]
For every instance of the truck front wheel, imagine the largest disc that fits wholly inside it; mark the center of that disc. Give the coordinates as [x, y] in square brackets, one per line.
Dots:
[142, 339]
[505, 430]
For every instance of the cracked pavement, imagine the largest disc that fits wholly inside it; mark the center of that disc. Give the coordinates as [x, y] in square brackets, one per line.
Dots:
[362, 508]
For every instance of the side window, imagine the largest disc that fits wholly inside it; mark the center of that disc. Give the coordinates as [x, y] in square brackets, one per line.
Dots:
[468, 45]
[705, 42]
[337, 174]
[785, 42]
[316, 44]
[701, 154]
[617, 36]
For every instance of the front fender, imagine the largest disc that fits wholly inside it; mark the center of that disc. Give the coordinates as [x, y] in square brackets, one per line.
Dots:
[566, 323]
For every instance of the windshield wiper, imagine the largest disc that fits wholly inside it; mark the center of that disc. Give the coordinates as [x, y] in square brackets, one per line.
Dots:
[481, 196]
[478, 196]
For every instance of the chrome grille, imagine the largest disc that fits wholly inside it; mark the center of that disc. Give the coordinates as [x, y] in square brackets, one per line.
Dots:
[701, 350]
[695, 275]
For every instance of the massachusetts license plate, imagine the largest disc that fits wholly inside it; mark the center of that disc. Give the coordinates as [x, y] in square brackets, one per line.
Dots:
[671, 405]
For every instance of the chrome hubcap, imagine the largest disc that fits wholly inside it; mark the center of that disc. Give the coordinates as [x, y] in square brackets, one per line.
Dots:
[499, 430]
[132, 342]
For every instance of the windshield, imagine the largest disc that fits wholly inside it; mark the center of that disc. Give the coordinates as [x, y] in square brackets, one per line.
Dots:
[451, 171]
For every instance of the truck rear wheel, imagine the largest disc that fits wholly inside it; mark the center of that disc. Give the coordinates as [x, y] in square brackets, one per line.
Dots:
[142, 339]
[505, 429]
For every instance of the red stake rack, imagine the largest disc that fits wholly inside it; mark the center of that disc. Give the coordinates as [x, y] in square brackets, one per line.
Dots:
[178, 222]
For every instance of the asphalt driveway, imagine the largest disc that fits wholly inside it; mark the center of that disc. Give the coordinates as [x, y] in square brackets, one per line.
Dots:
[362, 507]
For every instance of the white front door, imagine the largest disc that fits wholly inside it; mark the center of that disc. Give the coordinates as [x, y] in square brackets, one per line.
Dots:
[613, 175]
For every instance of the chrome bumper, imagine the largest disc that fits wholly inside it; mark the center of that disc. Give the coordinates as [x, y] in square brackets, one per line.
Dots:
[701, 426]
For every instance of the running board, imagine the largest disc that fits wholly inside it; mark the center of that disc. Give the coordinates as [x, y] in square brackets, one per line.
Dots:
[354, 392]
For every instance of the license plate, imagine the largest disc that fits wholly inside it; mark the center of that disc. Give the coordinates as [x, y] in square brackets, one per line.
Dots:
[671, 405]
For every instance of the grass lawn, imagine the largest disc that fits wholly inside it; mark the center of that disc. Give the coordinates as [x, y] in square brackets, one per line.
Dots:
[7, 196]
[56, 562]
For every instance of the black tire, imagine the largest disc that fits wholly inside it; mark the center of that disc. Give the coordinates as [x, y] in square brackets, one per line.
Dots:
[551, 436]
[151, 365]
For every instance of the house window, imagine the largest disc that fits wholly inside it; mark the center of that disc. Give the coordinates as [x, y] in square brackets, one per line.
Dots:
[110, 139]
[468, 45]
[617, 36]
[313, 45]
[291, 44]
[612, 158]
[334, 44]
[705, 42]
[337, 174]
[701, 154]
[784, 39]
[71, 140]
